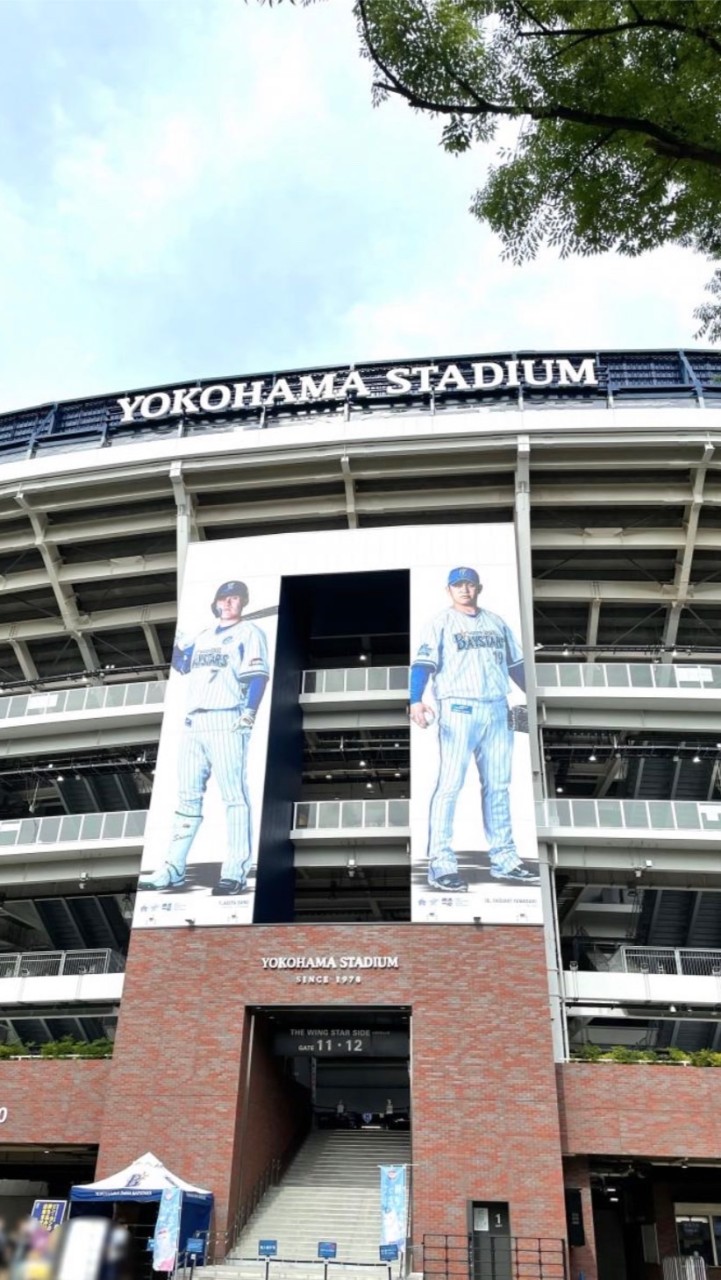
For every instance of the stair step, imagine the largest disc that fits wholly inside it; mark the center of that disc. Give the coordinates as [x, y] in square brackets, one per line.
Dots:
[331, 1191]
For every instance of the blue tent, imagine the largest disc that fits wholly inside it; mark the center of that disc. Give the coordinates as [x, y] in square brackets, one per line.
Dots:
[143, 1182]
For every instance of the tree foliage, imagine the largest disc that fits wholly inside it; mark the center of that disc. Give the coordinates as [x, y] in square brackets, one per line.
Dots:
[606, 115]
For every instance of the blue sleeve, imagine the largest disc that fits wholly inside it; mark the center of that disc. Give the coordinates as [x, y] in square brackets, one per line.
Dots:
[420, 671]
[256, 688]
[182, 659]
[518, 675]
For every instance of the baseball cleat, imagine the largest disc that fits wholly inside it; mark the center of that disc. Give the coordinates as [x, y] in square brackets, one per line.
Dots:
[166, 878]
[519, 874]
[449, 883]
[227, 888]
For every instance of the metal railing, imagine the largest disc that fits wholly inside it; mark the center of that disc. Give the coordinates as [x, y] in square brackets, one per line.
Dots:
[356, 680]
[631, 815]
[627, 675]
[349, 815]
[74, 827]
[56, 964]
[38, 706]
[486, 1257]
[610, 957]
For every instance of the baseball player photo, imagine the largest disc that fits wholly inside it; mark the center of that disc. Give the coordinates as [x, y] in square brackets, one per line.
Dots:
[224, 672]
[467, 661]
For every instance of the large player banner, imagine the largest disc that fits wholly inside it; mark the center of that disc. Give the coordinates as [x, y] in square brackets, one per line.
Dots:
[474, 851]
[201, 840]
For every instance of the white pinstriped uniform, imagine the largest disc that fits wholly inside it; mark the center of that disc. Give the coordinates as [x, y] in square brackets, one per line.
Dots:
[218, 665]
[469, 656]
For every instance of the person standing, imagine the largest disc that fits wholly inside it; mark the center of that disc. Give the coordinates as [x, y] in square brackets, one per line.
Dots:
[227, 671]
[470, 655]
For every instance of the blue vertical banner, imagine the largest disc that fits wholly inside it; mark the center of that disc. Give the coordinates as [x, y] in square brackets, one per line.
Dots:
[167, 1230]
[394, 1205]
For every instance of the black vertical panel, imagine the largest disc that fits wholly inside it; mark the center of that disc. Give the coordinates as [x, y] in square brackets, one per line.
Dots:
[275, 884]
[574, 1218]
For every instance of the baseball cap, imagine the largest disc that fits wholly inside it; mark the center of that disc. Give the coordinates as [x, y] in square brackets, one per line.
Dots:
[233, 588]
[463, 575]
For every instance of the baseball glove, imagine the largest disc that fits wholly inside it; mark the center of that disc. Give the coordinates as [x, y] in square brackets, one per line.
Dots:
[518, 718]
[245, 722]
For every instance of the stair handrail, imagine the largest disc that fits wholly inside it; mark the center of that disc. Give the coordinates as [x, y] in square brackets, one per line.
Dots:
[270, 1177]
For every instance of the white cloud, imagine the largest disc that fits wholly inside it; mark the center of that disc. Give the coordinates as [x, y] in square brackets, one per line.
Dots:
[216, 193]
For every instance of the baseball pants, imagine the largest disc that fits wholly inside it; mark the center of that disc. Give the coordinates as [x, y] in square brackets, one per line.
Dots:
[208, 745]
[478, 729]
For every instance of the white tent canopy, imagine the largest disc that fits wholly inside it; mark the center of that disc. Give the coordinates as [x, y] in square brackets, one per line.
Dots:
[145, 1179]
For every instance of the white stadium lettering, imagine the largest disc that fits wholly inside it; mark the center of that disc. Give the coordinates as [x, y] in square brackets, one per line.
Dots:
[156, 405]
[183, 400]
[529, 373]
[586, 372]
[495, 376]
[398, 380]
[255, 395]
[215, 398]
[323, 389]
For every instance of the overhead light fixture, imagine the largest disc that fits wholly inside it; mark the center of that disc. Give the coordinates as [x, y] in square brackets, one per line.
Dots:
[697, 758]
[362, 764]
[566, 651]
[329, 777]
[559, 790]
[60, 777]
[397, 773]
[369, 786]
[363, 657]
[593, 757]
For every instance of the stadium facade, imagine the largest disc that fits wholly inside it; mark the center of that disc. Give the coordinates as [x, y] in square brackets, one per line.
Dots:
[294, 973]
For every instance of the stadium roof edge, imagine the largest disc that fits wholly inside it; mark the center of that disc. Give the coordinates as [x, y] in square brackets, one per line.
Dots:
[521, 353]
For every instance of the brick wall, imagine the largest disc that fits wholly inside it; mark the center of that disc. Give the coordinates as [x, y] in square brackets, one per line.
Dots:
[609, 1108]
[485, 1122]
[273, 1122]
[53, 1100]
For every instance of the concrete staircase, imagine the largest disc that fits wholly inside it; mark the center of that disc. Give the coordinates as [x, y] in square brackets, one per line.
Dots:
[331, 1191]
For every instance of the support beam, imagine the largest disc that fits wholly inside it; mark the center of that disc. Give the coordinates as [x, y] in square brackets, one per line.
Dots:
[186, 523]
[594, 614]
[551, 931]
[684, 564]
[63, 592]
[101, 620]
[24, 659]
[349, 492]
[562, 590]
[154, 647]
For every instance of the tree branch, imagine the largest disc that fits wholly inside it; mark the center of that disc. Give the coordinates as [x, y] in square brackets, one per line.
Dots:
[641, 24]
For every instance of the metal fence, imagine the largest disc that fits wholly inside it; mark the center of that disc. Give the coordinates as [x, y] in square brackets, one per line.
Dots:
[55, 964]
[626, 675]
[349, 815]
[480, 1257]
[609, 957]
[357, 680]
[38, 706]
[631, 815]
[71, 828]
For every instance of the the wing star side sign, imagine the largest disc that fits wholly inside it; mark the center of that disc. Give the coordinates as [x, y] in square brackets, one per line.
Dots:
[397, 380]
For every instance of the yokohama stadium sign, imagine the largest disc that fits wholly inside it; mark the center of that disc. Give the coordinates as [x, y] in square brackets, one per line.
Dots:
[474, 377]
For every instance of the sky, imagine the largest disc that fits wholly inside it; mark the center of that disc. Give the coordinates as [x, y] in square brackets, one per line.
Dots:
[201, 188]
